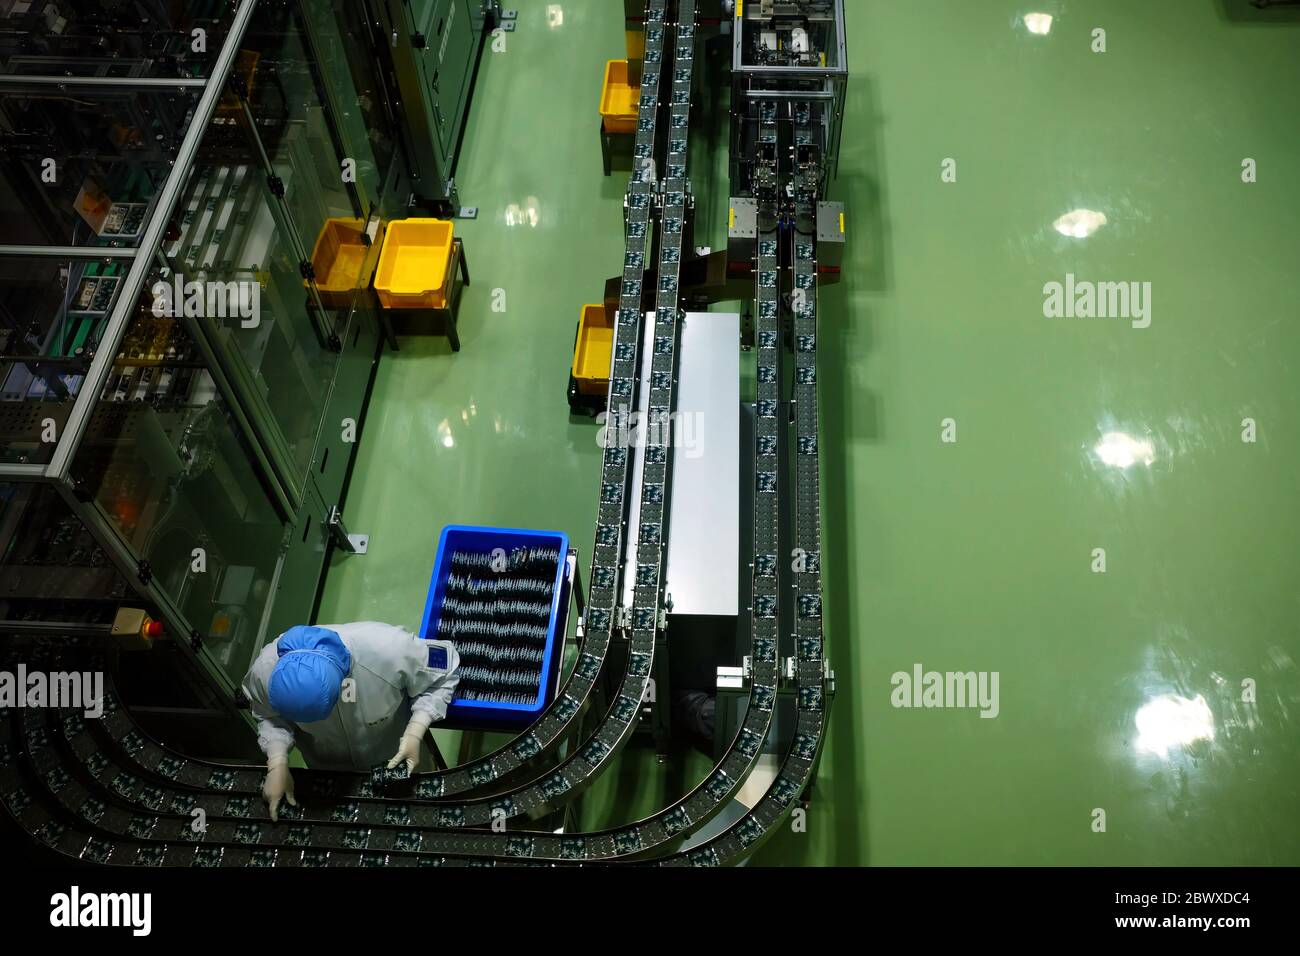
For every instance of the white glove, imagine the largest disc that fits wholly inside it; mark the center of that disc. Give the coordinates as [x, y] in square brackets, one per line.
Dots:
[409, 749]
[279, 784]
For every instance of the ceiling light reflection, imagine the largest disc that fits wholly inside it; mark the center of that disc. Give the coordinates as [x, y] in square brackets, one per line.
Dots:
[1172, 721]
[1121, 451]
[1080, 223]
[1039, 24]
[525, 214]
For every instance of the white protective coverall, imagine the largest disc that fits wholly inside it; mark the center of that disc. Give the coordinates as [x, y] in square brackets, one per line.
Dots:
[392, 678]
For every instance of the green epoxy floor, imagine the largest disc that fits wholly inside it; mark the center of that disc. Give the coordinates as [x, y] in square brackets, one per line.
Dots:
[978, 554]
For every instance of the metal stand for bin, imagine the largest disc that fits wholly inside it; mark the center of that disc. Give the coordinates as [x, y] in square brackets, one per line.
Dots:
[421, 320]
[604, 148]
[607, 141]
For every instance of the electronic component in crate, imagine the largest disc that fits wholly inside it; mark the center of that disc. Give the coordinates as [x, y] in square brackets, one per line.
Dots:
[498, 621]
[501, 597]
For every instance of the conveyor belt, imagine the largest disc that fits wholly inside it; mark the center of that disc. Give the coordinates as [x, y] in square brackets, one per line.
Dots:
[100, 790]
[811, 680]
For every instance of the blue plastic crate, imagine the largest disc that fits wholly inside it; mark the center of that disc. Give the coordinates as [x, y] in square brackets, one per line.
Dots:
[481, 540]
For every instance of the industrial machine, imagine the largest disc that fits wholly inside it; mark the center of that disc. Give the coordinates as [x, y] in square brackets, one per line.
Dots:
[191, 195]
[434, 48]
[196, 460]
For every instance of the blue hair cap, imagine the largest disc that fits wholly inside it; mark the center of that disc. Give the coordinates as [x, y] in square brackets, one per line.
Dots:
[308, 677]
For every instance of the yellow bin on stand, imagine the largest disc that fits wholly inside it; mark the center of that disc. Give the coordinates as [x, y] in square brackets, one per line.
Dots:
[618, 99]
[338, 260]
[591, 353]
[414, 264]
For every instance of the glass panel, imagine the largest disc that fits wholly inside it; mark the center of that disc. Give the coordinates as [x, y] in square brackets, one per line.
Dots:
[295, 125]
[166, 462]
[230, 236]
[51, 568]
[82, 167]
[355, 88]
[52, 313]
[151, 38]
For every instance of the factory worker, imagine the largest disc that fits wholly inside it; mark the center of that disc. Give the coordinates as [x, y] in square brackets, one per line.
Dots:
[350, 696]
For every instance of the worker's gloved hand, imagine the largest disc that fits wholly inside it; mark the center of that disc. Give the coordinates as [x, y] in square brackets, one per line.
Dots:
[279, 784]
[408, 750]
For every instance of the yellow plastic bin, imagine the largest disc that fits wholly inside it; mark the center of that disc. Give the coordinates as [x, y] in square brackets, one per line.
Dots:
[338, 260]
[414, 264]
[618, 99]
[591, 353]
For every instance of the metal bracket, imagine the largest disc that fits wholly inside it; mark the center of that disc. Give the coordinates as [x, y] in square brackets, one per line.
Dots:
[349, 543]
[733, 678]
[508, 20]
[576, 593]
[467, 212]
[80, 490]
